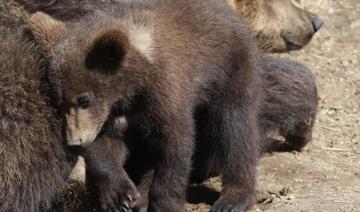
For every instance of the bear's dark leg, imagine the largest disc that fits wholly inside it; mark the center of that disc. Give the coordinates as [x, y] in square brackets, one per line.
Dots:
[105, 175]
[172, 142]
[237, 133]
[141, 204]
[206, 156]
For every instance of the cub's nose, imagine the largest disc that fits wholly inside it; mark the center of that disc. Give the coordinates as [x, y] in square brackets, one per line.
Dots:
[316, 22]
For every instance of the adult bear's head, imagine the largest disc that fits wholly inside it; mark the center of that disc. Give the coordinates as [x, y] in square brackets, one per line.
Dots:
[278, 25]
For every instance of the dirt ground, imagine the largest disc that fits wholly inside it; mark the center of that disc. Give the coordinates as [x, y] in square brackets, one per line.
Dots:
[326, 176]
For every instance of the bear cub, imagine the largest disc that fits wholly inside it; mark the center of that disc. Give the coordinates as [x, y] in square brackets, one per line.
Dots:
[158, 72]
[288, 107]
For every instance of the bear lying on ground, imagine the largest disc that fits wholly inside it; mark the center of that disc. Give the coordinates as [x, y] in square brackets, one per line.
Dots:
[290, 104]
[278, 26]
[288, 107]
[34, 161]
[159, 72]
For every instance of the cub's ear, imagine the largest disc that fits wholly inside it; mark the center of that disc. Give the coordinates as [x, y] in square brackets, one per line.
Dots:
[45, 30]
[107, 52]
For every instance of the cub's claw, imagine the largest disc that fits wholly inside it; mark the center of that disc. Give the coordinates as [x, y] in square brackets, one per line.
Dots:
[127, 200]
[120, 196]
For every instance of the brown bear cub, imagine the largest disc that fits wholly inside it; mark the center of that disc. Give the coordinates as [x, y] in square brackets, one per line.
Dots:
[288, 107]
[34, 162]
[158, 72]
[290, 104]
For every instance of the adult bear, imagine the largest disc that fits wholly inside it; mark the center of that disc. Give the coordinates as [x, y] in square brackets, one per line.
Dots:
[159, 71]
[278, 26]
[34, 163]
[12, 15]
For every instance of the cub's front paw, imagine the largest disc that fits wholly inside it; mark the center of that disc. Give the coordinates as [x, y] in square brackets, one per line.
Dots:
[120, 196]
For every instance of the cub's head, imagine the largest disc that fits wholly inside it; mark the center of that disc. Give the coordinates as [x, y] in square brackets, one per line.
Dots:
[89, 71]
[278, 25]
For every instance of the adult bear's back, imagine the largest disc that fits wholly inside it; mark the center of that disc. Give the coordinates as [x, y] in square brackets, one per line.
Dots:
[33, 163]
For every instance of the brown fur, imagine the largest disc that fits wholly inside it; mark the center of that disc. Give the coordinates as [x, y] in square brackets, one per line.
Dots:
[74, 197]
[105, 175]
[51, 30]
[278, 26]
[33, 165]
[65, 10]
[200, 68]
[12, 15]
[290, 104]
[289, 107]
[12, 26]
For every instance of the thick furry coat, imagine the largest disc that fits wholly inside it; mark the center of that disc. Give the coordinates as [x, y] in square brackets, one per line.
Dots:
[33, 166]
[289, 105]
[160, 72]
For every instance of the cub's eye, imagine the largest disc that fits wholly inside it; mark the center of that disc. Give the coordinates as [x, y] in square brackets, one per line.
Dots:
[83, 102]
